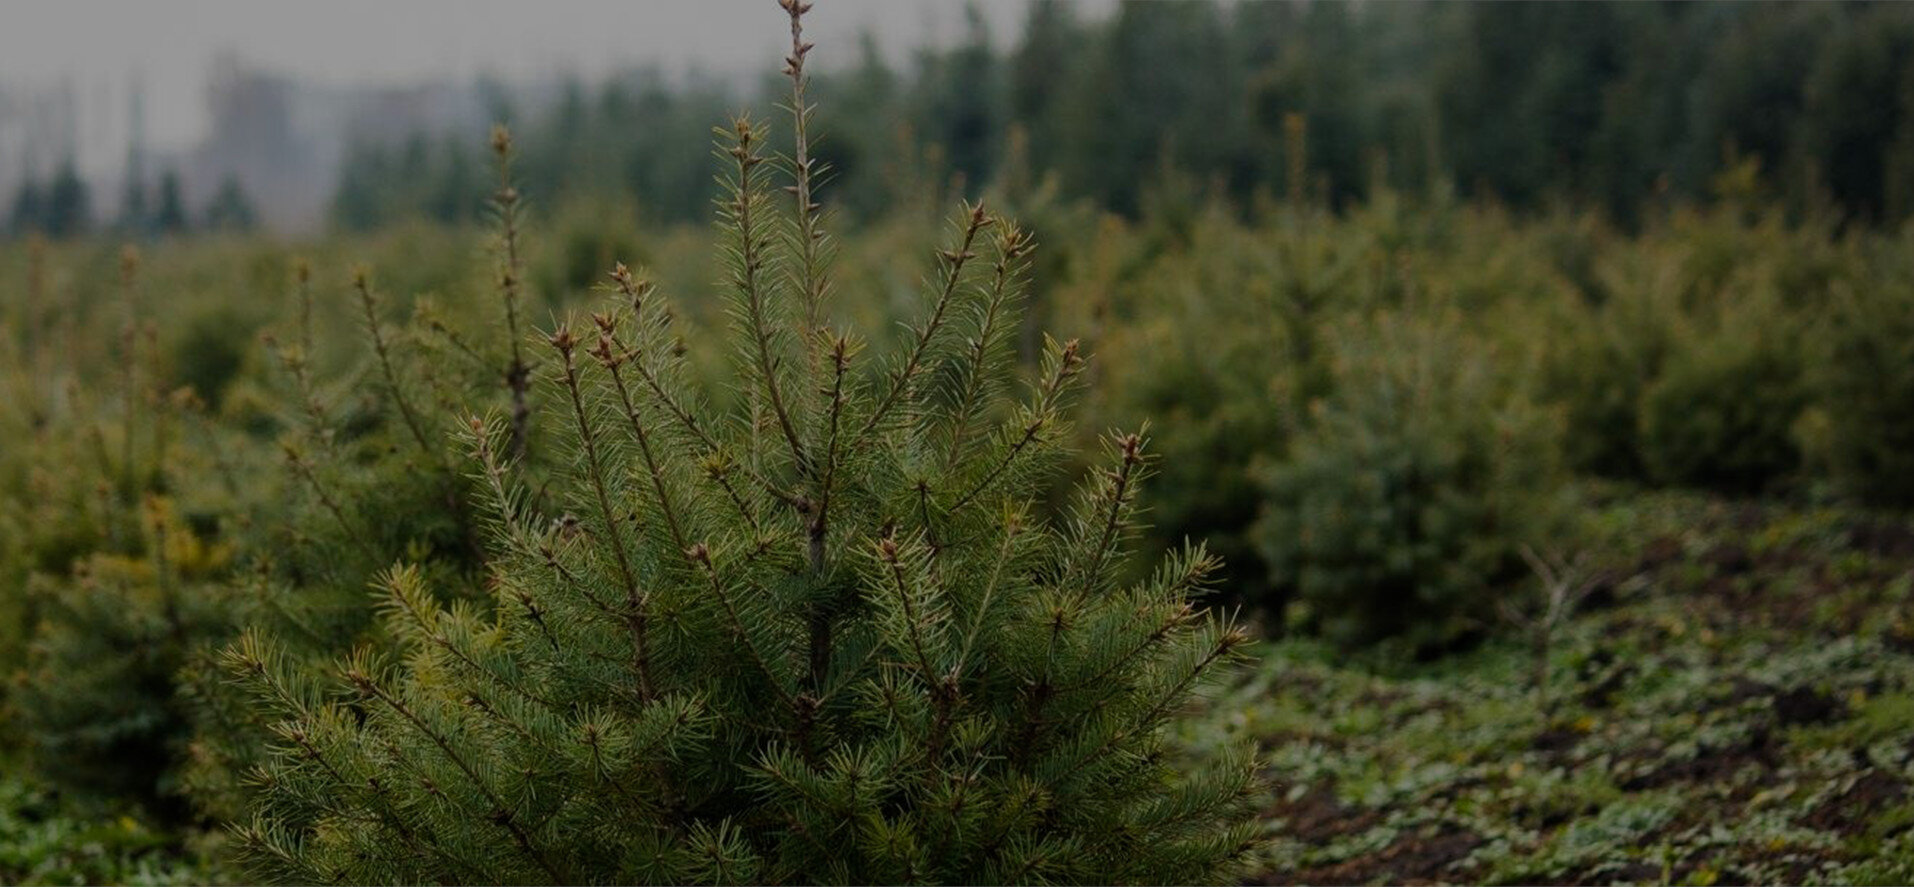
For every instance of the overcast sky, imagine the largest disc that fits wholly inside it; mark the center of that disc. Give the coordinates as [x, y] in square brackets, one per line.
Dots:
[103, 46]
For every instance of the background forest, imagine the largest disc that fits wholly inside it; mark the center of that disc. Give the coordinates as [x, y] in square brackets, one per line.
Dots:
[1492, 461]
[1624, 108]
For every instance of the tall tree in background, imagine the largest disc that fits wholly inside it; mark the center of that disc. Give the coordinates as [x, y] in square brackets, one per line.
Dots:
[68, 210]
[169, 213]
[1161, 86]
[959, 103]
[1623, 107]
[1858, 110]
[230, 209]
[1039, 80]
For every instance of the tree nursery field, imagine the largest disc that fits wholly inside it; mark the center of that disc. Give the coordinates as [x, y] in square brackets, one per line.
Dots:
[1005, 517]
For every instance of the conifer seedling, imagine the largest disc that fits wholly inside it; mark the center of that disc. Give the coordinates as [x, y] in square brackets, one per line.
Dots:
[813, 630]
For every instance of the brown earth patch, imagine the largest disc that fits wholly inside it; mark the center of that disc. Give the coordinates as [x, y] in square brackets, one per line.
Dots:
[1319, 815]
[1426, 856]
[1805, 705]
[1710, 765]
[1874, 791]
[1882, 538]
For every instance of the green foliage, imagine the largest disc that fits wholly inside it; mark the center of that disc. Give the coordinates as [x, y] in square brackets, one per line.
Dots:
[1227, 334]
[97, 699]
[229, 209]
[116, 696]
[1716, 722]
[1409, 489]
[210, 354]
[169, 217]
[811, 633]
[45, 841]
[1683, 361]
[375, 481]
[60, 207]
[1618, 108]
[1603, 354]
[588, 237]
[1723, 412]
[115, 574]
[1862, 376]
[1353, 382]
[1214, 343]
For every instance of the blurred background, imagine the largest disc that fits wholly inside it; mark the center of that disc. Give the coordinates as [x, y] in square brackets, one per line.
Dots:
[300, 118]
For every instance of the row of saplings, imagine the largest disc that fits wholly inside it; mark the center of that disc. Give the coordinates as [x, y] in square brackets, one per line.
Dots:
[623, 627]
[1373, 418]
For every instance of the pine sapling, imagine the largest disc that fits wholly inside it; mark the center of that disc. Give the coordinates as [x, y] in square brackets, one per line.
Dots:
[375, 480]
[814, 632]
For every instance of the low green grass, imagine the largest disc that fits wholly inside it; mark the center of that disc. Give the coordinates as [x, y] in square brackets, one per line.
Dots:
[46, 839]
[1734, 704]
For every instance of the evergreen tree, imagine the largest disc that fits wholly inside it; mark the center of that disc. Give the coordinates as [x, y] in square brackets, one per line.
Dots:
[1160, 90]
[136, 212]
[813, 632]
[68, 209]
[959, 101]
[29, 208]
[121, 605]
[230, 209]
[1038, 76]
[1859, 109]
[363, 199]
[375, 478]
[169, 217]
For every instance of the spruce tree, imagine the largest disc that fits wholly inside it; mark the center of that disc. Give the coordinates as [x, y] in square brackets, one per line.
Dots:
[120, 584]
[374, 475]
[169, 216]
[813, 629]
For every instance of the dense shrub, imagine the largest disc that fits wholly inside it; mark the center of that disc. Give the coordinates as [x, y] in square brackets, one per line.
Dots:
[373, 479]
[115, 692]
[1862, 379]
[1723, 413]
[1601, 349]
[119, 550]
[1217, 340]
[1361, 413]
[210, 354]
[1204, 343]
[1682, 361]
[1405, 495]
[97, 700]
[587, 237]
[48, 838]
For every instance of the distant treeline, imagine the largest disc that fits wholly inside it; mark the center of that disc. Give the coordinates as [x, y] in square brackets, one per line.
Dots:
[62, 205]
[1619, 106]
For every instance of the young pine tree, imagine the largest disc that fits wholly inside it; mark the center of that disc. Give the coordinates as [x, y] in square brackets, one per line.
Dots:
[817, 635]
[375, 476]
[117, 571]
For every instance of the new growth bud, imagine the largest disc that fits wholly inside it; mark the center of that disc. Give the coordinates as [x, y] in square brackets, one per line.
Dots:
[563, 340]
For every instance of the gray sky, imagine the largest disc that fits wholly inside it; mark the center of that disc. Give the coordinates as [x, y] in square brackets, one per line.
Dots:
[101, 47]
